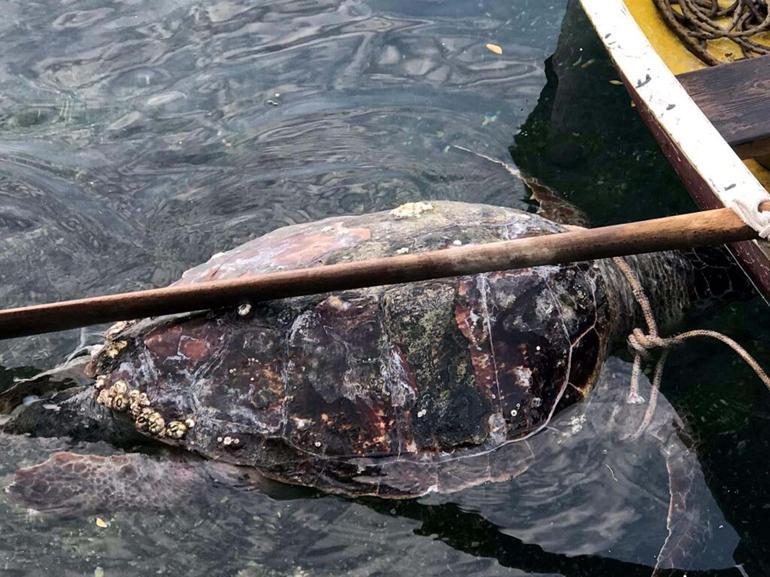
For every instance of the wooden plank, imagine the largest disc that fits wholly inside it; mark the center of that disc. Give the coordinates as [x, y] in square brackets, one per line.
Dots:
[736, 99]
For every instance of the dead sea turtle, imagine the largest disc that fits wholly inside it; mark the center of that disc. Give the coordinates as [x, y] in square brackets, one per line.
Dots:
[606, 491]
[388, 391]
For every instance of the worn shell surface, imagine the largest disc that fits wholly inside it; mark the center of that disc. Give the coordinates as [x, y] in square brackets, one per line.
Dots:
[390, 391]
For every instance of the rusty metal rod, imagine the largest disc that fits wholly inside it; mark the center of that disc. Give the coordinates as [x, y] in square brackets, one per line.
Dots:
[710, 227]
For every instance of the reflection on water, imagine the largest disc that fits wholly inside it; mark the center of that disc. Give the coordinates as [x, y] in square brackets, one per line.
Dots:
[136, 139]
[592, 503]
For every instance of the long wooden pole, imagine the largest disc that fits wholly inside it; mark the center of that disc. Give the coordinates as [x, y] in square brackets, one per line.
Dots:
[704, 228]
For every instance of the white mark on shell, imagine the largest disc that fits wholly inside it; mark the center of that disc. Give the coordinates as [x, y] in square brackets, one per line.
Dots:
[336, 302]
[523, 376]
[396, 379]
[497, 428]
[411, 209]
[301, 423]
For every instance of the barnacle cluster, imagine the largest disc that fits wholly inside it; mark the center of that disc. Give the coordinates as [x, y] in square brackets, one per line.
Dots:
[112, 332]
[112, 348]
[120, 397]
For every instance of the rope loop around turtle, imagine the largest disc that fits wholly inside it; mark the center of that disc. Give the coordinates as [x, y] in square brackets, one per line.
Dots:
[641, 344]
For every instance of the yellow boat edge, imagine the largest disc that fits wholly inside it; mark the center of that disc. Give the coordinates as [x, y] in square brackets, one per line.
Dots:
[647, 55]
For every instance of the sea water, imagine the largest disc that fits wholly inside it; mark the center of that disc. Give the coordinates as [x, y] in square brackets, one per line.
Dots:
[138, 138]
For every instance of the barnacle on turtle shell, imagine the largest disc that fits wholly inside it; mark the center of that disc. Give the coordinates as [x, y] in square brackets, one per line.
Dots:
[137, 401]
[113, 349]
[176, 430]
[105, 397]
[119, 402]
[155, 423]
[143, 419]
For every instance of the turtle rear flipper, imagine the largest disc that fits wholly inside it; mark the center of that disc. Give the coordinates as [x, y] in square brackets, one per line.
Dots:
[692, 512]
[69, 484]
[688, 528]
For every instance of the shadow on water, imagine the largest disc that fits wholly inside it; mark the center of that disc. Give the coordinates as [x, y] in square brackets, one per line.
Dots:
[588, 488]
[585, 140]
[473, 534]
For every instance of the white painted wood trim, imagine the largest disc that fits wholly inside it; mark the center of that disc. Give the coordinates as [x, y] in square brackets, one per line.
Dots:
[688, 128]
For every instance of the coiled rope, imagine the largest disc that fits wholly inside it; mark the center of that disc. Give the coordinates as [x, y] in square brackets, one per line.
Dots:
[696, 22]
[642, 344]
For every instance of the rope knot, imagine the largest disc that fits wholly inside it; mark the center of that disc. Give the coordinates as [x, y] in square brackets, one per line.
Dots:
[642, 343]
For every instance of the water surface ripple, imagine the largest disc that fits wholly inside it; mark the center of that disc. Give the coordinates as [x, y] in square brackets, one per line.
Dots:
[139, 137]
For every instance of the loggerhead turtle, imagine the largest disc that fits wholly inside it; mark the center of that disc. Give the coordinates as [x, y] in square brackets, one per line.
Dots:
[392, 391]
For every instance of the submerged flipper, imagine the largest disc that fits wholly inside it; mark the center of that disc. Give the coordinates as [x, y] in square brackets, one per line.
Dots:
[70, 484]
[688, 523]
[688, 529]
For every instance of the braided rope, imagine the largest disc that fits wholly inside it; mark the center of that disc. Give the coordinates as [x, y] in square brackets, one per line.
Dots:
[642, 344]
[696, 22]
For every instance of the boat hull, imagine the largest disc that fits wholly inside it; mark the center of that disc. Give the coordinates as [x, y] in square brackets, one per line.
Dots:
[710, 170]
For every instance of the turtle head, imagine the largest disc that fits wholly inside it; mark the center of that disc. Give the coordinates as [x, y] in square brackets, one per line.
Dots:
[192, 380]
[145, 371]
[58, 403]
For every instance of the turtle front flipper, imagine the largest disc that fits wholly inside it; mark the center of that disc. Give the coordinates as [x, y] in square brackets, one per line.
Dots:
[690, 541]
[69, 484]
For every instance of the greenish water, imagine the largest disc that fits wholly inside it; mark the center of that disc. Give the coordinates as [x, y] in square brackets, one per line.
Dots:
[136, 139]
